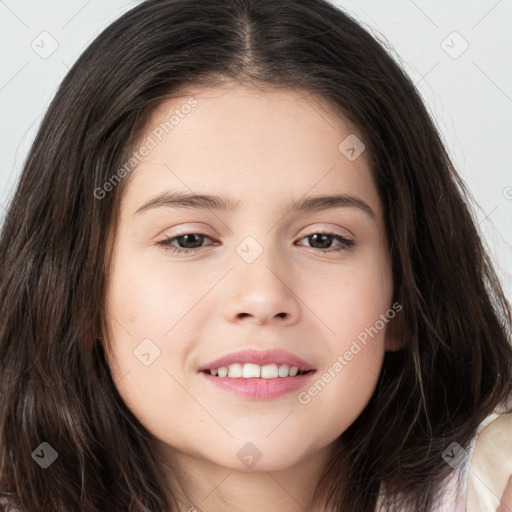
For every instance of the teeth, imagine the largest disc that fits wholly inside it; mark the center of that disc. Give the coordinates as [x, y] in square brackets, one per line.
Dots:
[235, 371]
[270, 371]
[250, 370]
[283, 371]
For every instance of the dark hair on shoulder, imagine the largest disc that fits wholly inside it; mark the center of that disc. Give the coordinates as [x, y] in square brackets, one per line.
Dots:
[455, 366]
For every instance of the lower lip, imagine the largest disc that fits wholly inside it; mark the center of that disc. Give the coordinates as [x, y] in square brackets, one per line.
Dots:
[260, 389]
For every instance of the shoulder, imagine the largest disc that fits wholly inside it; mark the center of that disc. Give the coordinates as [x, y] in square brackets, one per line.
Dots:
[491, 464]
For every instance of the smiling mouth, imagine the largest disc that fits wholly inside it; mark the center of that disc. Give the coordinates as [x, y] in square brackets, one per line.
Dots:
[254, 371]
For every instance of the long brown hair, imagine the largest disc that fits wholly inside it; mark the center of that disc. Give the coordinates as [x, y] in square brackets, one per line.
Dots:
[456, 363]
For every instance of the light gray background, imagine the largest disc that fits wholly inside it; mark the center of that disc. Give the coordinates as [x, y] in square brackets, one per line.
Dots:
[469, 93]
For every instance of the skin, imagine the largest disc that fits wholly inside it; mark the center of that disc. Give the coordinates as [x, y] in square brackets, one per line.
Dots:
[263, 149]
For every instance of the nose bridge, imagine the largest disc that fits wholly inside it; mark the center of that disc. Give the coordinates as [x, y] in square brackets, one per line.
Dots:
[261, 242]
[260, 261]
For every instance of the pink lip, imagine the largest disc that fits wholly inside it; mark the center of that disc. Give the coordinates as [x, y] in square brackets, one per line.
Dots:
[260, 389]
[260, 357]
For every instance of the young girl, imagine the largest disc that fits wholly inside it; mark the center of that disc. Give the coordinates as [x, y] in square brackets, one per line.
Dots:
[240, 273]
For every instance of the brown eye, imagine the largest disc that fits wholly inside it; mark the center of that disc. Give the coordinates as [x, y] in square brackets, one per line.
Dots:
[322, 240]
[186, 242]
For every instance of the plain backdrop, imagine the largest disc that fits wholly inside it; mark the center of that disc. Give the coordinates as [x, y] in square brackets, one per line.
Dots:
[456, 52]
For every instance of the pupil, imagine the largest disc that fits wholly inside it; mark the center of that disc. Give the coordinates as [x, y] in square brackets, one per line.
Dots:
[323, 237]
[192, 236]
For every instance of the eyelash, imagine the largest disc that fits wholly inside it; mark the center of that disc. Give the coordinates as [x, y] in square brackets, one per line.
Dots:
[346, 243]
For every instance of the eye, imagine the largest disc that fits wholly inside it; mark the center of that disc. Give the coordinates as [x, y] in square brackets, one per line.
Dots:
[322, 238]
[325, 238]
[187, 239]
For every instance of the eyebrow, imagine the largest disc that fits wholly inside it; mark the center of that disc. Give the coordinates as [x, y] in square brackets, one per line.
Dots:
[212, 202]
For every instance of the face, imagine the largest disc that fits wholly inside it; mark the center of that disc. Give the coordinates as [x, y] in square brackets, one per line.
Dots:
[274, 269]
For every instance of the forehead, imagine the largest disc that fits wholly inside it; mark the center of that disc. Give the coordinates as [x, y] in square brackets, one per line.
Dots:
[257, 145]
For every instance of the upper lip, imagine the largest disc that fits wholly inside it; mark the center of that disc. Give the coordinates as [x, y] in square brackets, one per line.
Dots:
[259, 357]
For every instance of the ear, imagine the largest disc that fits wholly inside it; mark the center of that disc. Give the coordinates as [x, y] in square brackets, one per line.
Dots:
[394, 337]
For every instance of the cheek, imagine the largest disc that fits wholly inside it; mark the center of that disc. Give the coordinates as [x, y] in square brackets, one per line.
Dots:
[152, 318]
[150, 299]
[343, 388]
[147, 346]
[357, 312]
[350, 299]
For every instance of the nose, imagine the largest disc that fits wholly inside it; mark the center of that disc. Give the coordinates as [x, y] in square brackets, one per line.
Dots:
[262, 292]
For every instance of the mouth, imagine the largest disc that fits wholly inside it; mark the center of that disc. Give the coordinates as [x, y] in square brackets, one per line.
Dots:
[258, 375]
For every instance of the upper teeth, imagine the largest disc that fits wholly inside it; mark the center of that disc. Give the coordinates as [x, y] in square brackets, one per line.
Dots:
[249, 370]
